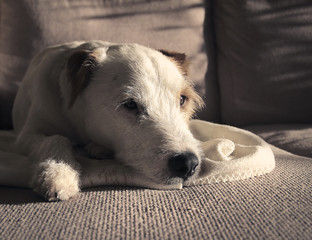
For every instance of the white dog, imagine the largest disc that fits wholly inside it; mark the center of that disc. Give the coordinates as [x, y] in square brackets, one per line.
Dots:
[126, 98]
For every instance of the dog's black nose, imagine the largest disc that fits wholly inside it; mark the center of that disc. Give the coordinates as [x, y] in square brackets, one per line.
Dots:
[183, 165]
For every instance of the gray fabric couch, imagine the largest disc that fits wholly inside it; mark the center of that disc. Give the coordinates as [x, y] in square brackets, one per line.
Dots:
[251, 63]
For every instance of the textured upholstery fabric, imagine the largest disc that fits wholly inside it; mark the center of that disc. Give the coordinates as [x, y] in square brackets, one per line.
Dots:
[296, 139]
[212, 91]
[264, 59]
[273, 206]
[28, 26]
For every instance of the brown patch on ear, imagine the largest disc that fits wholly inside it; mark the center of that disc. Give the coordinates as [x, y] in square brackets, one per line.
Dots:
[80, 66]
[194, 102]
[179, 58]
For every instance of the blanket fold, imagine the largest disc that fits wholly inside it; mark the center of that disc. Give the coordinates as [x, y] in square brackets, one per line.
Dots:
[230, 154]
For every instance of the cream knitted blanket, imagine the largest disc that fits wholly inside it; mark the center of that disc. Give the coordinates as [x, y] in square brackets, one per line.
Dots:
[230, 154]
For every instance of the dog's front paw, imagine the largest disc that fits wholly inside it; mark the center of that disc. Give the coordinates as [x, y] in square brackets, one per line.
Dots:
[56, 180]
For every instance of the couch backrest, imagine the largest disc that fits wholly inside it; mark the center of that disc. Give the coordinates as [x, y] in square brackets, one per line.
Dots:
[259, 52]
[262, 60]
[28, 26]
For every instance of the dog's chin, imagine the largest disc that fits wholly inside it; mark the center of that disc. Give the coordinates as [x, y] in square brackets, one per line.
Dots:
[165, 181]
[174, 181]
[168, 183]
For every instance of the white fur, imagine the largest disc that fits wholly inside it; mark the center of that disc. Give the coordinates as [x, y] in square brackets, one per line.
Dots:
[48, 127]
[57, 180]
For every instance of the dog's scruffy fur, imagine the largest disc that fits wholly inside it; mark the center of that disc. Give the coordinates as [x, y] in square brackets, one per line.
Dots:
[126, 98]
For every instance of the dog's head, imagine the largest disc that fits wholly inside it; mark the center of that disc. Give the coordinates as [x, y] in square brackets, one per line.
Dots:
[138, 101]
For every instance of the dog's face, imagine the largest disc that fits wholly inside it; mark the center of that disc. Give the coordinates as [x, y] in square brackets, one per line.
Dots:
[138, 102]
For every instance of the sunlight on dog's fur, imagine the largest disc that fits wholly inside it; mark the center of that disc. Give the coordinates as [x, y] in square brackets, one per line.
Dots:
[122, 99]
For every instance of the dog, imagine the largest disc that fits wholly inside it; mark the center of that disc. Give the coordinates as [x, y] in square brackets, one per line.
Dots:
[127, 101]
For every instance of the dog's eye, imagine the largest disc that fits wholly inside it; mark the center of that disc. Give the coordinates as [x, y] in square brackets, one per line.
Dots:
[131, 105]
[183, 99]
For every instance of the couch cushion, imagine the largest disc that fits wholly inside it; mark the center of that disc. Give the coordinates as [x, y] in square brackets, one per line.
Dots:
[274, 206]
[264, 59]
[296, 139]
[27, 26]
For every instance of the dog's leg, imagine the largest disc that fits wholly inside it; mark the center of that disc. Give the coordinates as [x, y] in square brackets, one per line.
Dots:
[55, 174]
[112, 172]
[98, 152]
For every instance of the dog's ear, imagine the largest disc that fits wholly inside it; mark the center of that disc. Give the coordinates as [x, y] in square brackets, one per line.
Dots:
[80, 66]
[179, 58]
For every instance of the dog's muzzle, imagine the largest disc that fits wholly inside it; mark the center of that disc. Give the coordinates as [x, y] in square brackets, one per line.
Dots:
[183, 165]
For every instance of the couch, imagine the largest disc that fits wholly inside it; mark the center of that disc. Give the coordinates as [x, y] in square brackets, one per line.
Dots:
[251, 62]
